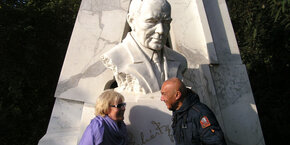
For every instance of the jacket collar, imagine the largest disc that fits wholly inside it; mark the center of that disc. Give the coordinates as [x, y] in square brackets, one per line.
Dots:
[190, 99]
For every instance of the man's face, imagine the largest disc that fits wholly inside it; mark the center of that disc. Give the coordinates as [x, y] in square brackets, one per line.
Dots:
[168, 96]
[152, 24]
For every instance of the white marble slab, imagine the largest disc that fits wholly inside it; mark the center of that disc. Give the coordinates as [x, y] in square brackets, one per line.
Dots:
[190, 34]
[222, 32]
[87, 115]
[99, 26]
[237, 105]
[64, 124]
[60, 138]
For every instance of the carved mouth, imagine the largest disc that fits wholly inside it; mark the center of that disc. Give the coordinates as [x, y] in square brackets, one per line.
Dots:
[157, 40]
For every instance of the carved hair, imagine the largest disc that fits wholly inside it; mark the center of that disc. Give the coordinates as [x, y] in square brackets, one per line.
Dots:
[136, 5]
[106, 99]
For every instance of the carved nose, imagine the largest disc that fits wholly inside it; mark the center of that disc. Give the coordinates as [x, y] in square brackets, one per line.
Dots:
[159, 28]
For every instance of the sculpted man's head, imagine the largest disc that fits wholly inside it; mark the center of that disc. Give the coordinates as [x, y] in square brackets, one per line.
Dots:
[172, 93]
[150, 22]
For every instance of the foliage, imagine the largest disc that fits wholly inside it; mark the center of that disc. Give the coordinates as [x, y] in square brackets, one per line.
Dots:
[263, 33]
[34, 35]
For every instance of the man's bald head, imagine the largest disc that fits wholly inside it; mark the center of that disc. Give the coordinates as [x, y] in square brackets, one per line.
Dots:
[173, 92]
[176, 84]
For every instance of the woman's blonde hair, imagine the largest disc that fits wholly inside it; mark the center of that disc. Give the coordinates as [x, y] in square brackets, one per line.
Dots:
[107, 98]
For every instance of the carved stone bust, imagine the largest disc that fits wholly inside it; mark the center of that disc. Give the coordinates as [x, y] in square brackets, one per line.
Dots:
[142, 62]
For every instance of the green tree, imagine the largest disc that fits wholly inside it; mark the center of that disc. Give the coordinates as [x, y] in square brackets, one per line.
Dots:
[263, 33]
[34, 36]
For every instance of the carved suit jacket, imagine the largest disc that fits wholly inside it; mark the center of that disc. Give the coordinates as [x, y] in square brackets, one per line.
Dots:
[127, 58]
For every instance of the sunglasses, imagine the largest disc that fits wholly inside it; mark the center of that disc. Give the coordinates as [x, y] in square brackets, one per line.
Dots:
[119, 105]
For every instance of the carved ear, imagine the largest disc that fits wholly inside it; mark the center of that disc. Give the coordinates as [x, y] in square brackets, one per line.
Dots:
[130, 21]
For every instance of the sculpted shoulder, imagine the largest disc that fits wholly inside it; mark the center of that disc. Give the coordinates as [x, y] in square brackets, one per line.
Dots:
[175, 56]
[117, 56]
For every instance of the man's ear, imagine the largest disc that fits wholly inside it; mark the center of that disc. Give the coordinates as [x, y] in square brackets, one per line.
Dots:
[178, 95]
[130, 21]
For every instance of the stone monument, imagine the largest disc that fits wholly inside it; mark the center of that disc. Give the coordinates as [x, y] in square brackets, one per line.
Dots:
[142, 62]
[103, 53]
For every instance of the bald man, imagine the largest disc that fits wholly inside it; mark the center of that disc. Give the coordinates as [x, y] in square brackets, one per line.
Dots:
[193, 122]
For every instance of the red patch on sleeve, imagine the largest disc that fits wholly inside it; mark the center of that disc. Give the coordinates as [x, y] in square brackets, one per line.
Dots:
[204, 122]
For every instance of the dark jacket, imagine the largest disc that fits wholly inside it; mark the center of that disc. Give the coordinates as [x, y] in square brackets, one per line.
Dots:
[195, 124]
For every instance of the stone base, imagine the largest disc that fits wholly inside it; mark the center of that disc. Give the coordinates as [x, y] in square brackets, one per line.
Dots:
[60, 138]
[224, 88]
[148, 121]
[64, 124]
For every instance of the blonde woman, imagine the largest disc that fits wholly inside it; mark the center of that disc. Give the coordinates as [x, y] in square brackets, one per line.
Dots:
[107, 128]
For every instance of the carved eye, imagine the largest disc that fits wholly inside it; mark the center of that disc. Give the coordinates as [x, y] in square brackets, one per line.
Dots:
[152, 21]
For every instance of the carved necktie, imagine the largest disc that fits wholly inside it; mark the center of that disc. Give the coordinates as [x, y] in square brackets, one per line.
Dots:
[157, 62]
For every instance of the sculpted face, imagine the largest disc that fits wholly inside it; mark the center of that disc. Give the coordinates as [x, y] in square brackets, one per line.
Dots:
[150, 27]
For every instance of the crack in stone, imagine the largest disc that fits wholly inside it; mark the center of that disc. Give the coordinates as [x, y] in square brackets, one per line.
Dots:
[108, 41]
[92, 71]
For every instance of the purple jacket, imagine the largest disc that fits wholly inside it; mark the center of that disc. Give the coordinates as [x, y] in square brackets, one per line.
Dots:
[104, 131]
